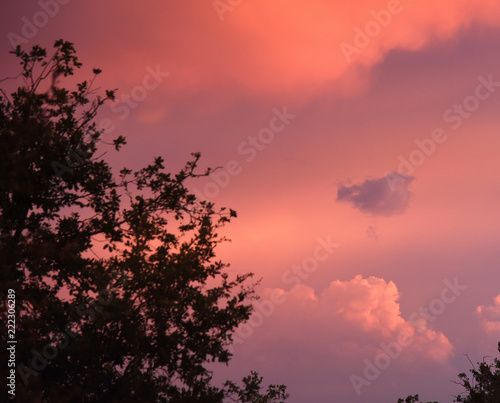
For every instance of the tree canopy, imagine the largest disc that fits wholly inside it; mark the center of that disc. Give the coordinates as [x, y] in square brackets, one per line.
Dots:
[482, 387]
[119, 295]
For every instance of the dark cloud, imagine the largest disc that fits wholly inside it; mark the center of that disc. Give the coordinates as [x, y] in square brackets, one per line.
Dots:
[383, 196]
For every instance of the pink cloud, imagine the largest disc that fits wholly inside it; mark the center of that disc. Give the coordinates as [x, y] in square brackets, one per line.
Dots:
[348, 316]
[296, 45]
[338, 332]
[490, 316]
[282, 47]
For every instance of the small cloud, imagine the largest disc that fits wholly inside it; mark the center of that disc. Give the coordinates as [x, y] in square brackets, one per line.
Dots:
[385, 196]
[490, 316]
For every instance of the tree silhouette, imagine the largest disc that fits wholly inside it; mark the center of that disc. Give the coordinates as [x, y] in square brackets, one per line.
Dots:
[483, 387]
[412, 399]
[119, 295]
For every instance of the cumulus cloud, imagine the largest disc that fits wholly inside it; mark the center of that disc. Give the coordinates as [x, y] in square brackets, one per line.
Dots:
[334, 332]
[370, 305]
[357, 312]
[490, 316]
[378, 196]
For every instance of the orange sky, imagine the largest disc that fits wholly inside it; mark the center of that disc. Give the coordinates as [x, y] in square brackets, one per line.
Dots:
[308, 106]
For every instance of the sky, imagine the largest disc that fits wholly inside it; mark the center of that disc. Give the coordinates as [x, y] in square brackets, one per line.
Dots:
[358, 142]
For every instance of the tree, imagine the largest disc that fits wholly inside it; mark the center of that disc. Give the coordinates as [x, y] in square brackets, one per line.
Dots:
[412, 399]
[119, 296]
[484, 387]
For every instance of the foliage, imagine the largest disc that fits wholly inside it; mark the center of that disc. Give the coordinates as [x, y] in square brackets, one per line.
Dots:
[483, 387]
[411, 399]
[119, 294]
[251, 391]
